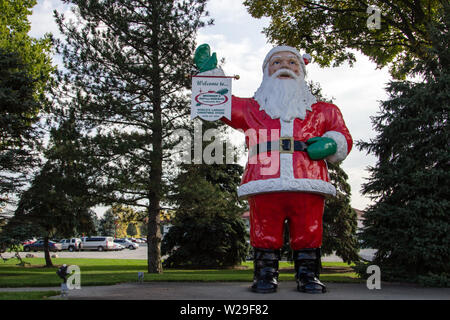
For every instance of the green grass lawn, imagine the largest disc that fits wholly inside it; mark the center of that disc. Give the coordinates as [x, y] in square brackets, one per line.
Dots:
[113, 271]
[34, 295]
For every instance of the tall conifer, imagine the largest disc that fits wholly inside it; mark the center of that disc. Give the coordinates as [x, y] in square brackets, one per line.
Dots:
[409, 222]
[127, 62]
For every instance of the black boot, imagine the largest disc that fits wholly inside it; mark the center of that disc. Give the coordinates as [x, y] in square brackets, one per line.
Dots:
[265, 278]
[307, 268]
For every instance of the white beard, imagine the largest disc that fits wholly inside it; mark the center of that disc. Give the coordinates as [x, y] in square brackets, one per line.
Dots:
[284, 98]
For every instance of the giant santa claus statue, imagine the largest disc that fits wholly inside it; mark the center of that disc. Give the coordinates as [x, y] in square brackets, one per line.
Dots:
[290, 137]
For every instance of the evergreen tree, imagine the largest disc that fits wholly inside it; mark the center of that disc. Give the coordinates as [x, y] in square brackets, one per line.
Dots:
[339, 219]
[208, 229]
[127, 63]
[131, 229]
[57, 202]
[48, 210]
[409, 222]
[95, 223]
[108, 224]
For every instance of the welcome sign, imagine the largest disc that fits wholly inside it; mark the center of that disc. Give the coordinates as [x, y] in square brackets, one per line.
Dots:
[211, 97]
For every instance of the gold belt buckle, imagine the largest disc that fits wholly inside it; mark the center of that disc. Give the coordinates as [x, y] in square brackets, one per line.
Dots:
[291, 145]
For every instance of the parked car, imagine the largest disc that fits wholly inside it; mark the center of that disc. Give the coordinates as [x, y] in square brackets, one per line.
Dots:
[118, 247]
[99, 243]
[135, 240]
[39, 246]
[73, 244]
[127, 243]
[29, 241]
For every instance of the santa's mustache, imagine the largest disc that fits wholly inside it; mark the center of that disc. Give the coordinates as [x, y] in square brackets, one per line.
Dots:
[285, 72]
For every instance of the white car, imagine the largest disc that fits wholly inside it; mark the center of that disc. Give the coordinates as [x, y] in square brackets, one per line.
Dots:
[99, 243]
[118, 247]
[73, 244]
[127, 243]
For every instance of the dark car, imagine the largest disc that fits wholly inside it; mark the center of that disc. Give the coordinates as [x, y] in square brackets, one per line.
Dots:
[39, 246]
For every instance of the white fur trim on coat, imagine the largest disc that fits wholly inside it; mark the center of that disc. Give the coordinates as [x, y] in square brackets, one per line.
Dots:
[341, 142]
[286, 185]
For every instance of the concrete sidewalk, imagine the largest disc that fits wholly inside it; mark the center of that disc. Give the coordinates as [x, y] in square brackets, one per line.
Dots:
[240, 291]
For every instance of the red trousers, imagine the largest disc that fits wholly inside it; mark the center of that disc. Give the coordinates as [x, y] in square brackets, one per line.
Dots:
[268, 212]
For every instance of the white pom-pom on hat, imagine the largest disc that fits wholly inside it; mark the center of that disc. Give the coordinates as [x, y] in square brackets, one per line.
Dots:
[307, 58]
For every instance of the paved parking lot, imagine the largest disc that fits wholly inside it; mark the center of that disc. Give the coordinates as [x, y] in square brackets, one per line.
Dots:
[141, 254]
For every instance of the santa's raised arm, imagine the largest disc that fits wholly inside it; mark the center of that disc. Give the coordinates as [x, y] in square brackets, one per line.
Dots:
[290, 137]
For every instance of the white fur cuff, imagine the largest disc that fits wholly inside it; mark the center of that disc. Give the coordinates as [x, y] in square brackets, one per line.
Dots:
[341, 142]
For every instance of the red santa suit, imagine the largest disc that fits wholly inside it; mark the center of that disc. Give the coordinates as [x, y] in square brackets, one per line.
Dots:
[287, 185]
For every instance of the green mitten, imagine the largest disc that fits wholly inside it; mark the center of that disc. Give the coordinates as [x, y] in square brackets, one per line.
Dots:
[203, 58]
[321, 147]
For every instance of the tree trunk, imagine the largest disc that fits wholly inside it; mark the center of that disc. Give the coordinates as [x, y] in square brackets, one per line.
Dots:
[154, 220]
[155, 189]
[155, 185]
[48, 260]
[154, 242]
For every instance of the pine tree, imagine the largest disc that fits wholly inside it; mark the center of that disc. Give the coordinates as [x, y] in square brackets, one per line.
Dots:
[340, 220]
[108, 224]
[131, 229]
[57, 202]
[409, 222]
[127, 63]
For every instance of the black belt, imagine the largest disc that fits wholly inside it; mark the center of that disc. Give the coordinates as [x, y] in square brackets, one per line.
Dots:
[284, 145]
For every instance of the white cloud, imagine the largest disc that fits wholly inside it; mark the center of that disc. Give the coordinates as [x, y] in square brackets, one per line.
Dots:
[42, 20]
[228, 11]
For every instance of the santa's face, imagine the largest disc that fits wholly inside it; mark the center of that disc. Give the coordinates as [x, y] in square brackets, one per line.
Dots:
[284, 60]
[283, 92]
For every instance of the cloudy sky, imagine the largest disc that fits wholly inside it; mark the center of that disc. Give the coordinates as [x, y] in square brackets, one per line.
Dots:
[238, 38]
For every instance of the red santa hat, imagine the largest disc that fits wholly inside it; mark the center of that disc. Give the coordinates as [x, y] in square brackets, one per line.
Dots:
[304, 59]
